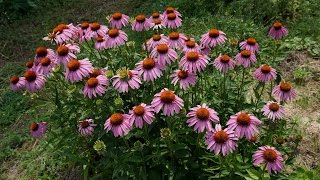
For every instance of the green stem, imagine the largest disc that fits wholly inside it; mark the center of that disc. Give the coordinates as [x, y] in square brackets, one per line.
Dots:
[241, 88]
[259, 97]
[85, 172]
[262, 171]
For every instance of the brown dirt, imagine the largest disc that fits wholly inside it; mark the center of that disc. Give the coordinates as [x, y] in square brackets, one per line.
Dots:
[305, 109]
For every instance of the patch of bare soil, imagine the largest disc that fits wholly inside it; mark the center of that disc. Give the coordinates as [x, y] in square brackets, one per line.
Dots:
[304, 71]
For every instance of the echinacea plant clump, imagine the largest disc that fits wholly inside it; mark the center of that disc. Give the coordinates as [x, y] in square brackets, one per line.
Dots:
[172, 106]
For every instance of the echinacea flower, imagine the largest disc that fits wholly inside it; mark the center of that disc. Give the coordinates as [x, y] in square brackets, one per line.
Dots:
[164, 54]
[223, 63]
[191, 45]
[118, 123]
[141, 114]
[141, 23]
[97, 29]
[194, 62]
[66, 52]
[270, 156]
[116, 38]
[202, 117]
[45, 66]
[168, 101]
[119, 20]
[78, 69]
[42, 52]
[38, 129]
[63, 33]
[126, 79]
[184, 78]
[171, 10]
[30, 64]
[250, 44]
[172, 20]
[205, 51]
[273, 110]
[284, 92]
[149, 69]
[97, 72]
[177, 40]
[244, 124]
[34, 81]
[83, 30]
[278, 31]
[246, 58]
[156, 24]
[221, 140]
[95, 86]
[155, 16]
[155, 41]
[86, 127]
[213, 38]
[17, 83]
[100, 43]
[265, 73]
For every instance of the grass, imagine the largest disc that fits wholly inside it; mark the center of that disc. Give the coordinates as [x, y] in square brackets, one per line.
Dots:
[18, 157]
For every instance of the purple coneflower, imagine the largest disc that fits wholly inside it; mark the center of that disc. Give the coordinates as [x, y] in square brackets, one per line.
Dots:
[97, 72]
[246, 58]
[38, 129]
[265, 73]
[30, 64]
[96, 29]
[270, 156]
[221, 140]
[184, 78]
[244, 124]
[119, 20]
[284, 92]
[278, 31]
[45, 66]
[34, 81]
[118, 123]
[126, 79]
[177, 40]
[78, 69]
[223, 63]
[116, 38]
[17, 83]
[100, 43]
[140, 114]
[149, 69]
[273, 110]
[171, 10]
[63, 33]
[205, 51]
[172, 20]
[201, 118]
[141, 23]
[95, 86]
[213, 38]
[83, 31]
[66, 52]
[194, 62]
[42, 52]
[168, 101]
[86, 127]
[191, 45]
[155, 41]
[250, 44]
[164, 54]
[155, 16]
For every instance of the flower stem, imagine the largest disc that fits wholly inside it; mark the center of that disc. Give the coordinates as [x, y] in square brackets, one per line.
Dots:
[262, 171]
